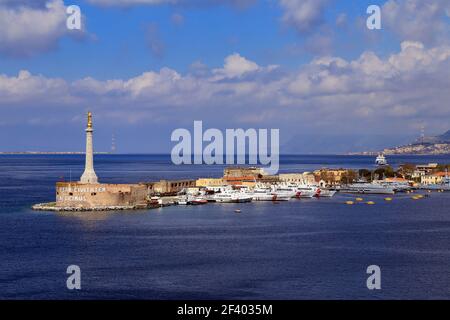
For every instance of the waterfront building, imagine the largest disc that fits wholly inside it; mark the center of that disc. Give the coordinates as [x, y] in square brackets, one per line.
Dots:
[331, 177]
[209, 182]
[244, 172]
[298, 178]
[427, 168]
[434, 178]
[248, 181]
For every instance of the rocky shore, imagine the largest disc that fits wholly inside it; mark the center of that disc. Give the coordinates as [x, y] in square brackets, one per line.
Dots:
[51, 206]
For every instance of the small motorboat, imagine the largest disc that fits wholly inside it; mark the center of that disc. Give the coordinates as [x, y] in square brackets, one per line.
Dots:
[199, 200]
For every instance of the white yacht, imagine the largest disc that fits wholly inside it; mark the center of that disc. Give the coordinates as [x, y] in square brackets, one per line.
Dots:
[326, 193]
[263, 194]
[381, 160]
[232, 196]
[284, 193]
[183, 200]
[307, 191]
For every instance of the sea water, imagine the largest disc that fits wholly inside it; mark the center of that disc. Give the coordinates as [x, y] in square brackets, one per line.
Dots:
[300, 249]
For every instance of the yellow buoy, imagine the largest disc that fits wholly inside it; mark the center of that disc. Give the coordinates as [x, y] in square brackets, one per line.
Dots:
[388, 199]
[419, 196]
[359, 199]
[415, 198]
[349, 202]
[370, 202]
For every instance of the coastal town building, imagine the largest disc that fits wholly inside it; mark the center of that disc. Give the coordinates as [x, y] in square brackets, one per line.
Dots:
[243, 172]
[331, 177]
[434, 178]
[427, 168]
[248, 181]
[416, 172]
[209, 182]
[299, 178]
[396, 179]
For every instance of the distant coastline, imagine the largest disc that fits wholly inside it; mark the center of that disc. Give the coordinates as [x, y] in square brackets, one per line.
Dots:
[417, 149]
[430, 146]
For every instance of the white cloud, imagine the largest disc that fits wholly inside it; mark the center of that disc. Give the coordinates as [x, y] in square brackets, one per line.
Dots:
[235, 66]
[326, 94]
[27, 27]
[25, 89]
[417, 20]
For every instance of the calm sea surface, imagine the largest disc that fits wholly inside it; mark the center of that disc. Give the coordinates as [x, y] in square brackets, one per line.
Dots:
[302, 249]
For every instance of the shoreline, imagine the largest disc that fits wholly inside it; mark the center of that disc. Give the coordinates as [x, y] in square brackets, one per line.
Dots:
[51, 206]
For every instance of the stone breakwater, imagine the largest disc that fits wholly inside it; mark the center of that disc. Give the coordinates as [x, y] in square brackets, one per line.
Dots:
[52, 207]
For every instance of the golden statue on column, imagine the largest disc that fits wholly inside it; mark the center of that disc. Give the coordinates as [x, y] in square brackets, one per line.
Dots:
[89, 175]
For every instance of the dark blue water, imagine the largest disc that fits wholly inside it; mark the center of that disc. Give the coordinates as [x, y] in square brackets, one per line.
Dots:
[306, 249]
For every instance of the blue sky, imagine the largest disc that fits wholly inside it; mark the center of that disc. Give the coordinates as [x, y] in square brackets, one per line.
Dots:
[310, 68]
[207, 34]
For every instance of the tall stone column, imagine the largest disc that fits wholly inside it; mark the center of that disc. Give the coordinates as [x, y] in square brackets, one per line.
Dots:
[89, 175]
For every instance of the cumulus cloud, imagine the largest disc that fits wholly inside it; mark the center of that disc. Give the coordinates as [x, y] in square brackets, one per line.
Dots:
[417, 20]
[31, 27]
[236, 66]
[325, 94]
[25, 89]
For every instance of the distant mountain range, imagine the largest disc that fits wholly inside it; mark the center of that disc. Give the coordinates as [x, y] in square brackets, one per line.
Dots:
[431, 145]
[443, 138]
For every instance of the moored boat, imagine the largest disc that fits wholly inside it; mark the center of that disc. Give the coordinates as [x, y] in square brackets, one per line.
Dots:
[367, 188]
[326, 193]
[263, 195]
[232, 197]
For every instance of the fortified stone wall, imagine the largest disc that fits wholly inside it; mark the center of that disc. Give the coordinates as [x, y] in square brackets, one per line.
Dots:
[243, 172]
[97, 195]
[166, 186]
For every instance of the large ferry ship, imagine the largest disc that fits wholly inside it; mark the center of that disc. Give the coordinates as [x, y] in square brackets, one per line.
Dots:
[381, 160]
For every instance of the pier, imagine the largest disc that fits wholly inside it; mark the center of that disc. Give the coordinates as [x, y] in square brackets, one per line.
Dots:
[238, 184]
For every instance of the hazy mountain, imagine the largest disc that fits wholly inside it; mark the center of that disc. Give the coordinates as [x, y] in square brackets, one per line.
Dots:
[439, 144]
